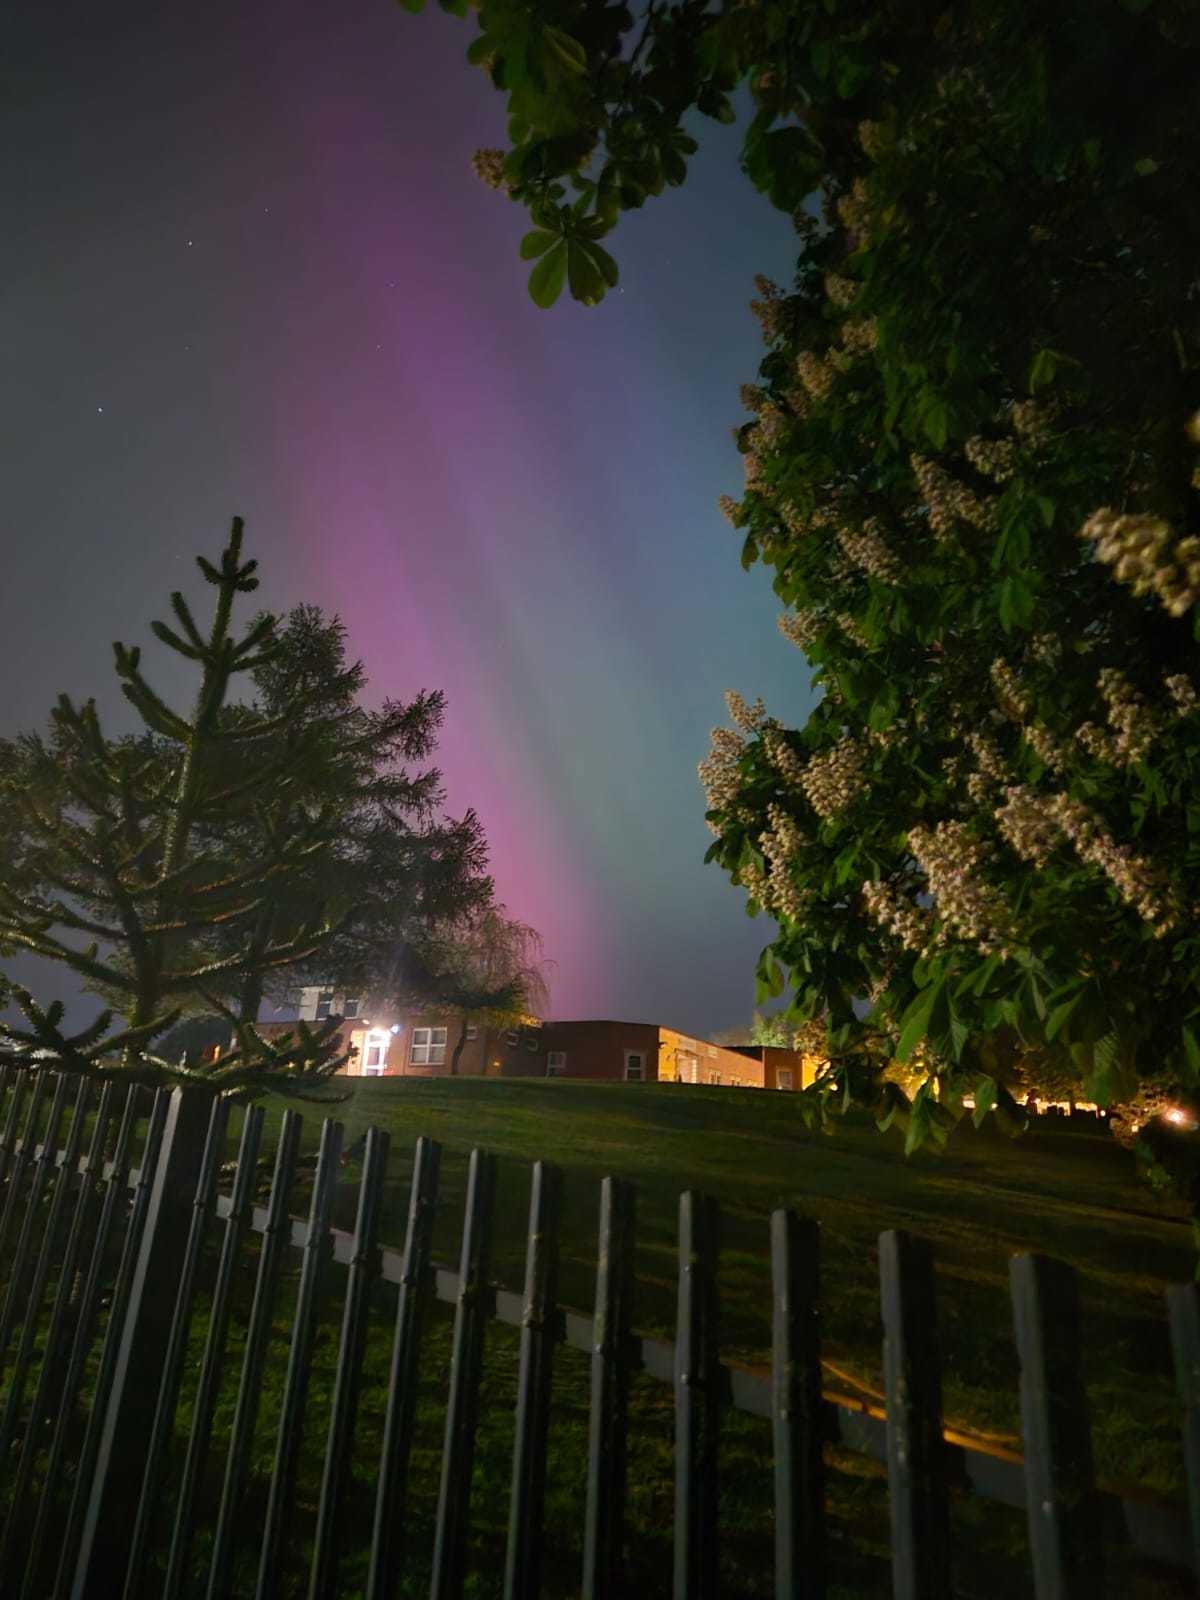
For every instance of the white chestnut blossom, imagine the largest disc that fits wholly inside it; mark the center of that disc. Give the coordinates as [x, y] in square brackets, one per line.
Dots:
[869, 550]
[967, 906]
[719, 774]
[872, 139]
[732, 509]
[747, 718]
[841, 291]
[1045, 746]
[782, 757]
[833, 778]
[860, 335]
[1134, 725]
[769, 308]
[815, 374]
[1134, 879]
[1138, 546]
[1027, 822]
[1032, 421]
[1183, 691]
[1012, 696]
[994, 458]
[852, 628]
[854, 209]
[488, 166]
[897, 914]
[803, 627]
[950, 502]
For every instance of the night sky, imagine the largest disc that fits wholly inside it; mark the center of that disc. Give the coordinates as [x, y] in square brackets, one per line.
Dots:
[246, 268]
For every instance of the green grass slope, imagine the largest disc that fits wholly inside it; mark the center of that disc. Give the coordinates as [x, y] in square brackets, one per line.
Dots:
[1065, 1190]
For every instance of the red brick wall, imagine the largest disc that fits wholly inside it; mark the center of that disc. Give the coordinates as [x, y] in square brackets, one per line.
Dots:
[597, 1049]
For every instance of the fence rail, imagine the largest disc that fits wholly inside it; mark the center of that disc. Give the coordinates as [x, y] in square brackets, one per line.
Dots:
[90, 1402]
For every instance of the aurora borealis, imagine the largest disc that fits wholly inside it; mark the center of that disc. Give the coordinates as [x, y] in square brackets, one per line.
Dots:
[249, 270]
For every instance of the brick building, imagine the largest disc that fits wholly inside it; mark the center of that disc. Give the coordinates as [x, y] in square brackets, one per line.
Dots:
[388, 1043]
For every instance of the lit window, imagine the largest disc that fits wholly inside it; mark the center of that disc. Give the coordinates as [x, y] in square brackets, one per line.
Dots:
[783, 1078]
[351, 1008]
[428, 1047]
[472, 1033]
[712, 1052]
[635, 1066]
[375, 1051]
[556, 1063]
[512, 1038]
[324, 1004]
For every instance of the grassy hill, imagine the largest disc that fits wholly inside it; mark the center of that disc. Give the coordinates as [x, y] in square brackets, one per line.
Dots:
[1062, 1189]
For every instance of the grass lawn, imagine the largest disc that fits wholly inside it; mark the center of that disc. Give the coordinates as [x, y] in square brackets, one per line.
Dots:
[1062, 1189]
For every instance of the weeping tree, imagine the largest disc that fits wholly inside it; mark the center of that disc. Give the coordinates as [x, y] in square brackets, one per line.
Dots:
[484, 969]
[120, 869]
[971, 465]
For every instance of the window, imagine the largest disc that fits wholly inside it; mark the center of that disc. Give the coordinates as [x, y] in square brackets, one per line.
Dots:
[324, 1004]
[689, 1070]
[714, 1077]
[472, 1033]
[531, 1043]
[512, 1038]
[556, 1063]
[375, 1049]
[428, 1047]
[635, 1066]
[351, 1008]
[783, 1078]
[712, 1052]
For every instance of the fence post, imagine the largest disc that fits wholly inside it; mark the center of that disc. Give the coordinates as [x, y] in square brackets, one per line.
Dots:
[697, 1401]
[388, 1537]
[1064, 1531]
[917, 1488]
[466, 1365]
[796, 1410]
[1183, 1304]
[360, 1279]
[539, 1331]
[121, 1458]
[604, 1520]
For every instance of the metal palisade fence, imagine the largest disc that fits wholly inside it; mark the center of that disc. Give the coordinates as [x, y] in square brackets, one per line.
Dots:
[145, 1312]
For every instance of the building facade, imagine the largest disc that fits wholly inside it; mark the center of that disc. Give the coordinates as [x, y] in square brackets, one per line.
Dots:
[389, 1043]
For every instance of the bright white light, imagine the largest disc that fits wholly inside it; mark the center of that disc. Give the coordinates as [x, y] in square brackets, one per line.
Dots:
[395, 1027]
[1178, 1116]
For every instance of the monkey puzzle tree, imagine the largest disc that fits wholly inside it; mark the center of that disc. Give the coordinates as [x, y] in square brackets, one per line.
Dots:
[972, 467]
[115, 875]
